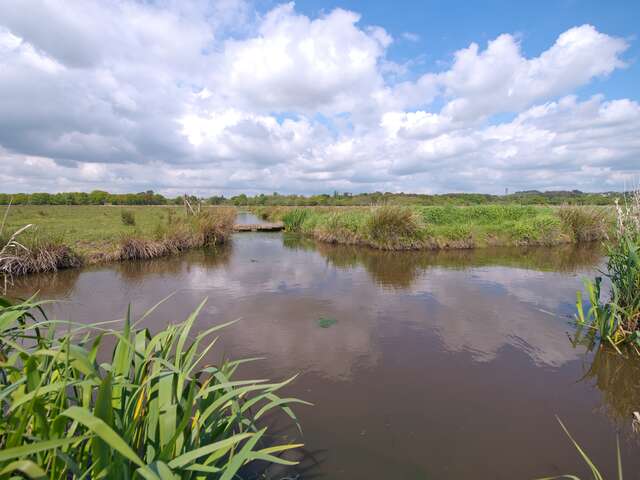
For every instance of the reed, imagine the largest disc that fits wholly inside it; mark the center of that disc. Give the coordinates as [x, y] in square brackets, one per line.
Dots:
[615, 321]
[154, 410]
[585, 224]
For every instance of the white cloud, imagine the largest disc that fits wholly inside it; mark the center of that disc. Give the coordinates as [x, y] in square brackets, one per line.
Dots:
[500, 79]
[212, 97]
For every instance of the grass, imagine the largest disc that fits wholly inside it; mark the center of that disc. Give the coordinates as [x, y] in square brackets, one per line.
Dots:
[127, 217]
[154, 410]
[595, 472]
[69, 236]
[615, 321]
[447, 227]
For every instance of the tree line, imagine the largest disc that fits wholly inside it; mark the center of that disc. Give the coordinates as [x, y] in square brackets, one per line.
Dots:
[100, 197]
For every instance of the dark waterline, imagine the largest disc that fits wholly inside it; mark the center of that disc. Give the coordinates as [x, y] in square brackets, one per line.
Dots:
[440, 365]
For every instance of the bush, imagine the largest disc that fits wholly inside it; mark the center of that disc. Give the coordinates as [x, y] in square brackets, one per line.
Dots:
[127, 217]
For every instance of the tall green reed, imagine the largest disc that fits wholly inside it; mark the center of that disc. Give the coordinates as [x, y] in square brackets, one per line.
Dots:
[154, 410]
[615, 321]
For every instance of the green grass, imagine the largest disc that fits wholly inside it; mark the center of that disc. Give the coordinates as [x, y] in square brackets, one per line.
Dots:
[405, 228]
[155, 410]
[91, 228]
[92, 234]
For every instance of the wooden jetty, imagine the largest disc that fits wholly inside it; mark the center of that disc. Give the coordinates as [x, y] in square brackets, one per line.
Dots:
[258, 227]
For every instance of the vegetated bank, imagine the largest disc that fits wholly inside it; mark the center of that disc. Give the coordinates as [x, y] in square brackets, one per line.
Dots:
[70, 236]
[615, 321]
[408, 228]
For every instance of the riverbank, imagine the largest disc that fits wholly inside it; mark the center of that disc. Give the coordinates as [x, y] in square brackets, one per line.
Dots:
[71, 236]
[412, 228]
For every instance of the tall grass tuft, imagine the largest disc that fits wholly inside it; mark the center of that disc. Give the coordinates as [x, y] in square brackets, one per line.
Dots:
[293, 219]
[394, 228]
[214, 226]
[584, 224]
[616, 320]
[127, 217]
[154, 410]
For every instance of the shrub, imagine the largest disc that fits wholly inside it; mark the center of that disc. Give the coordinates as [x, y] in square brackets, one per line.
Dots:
[127, 217]
[155, 410]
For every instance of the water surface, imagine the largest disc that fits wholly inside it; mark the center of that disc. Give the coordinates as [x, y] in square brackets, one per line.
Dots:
[435, 365]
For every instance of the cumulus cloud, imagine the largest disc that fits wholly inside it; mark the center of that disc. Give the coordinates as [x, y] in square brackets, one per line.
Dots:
[218, 97]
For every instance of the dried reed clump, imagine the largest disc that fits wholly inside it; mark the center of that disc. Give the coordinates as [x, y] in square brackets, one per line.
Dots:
[136, 248]
[584, 224]
[38, 256]
[214, 226]
[628, 216]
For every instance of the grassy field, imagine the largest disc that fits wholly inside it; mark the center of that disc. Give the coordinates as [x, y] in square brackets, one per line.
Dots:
[68, 236]
[89, 228]
[406, 228]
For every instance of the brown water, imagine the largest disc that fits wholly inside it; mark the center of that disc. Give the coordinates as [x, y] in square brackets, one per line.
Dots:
[448, 365]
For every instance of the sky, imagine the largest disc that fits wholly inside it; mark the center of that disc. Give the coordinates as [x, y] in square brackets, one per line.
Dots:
[222, 97]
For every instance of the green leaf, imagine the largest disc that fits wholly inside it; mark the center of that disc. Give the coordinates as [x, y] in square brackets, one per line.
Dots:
[32, 448]
[26, 467]
[104, 431]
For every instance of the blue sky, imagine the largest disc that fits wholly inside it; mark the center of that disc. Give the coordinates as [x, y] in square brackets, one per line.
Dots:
[448, 25]
[224, 96]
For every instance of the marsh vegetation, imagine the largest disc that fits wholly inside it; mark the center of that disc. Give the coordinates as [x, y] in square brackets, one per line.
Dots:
[69, 236]
[407, 228]
[82, 400]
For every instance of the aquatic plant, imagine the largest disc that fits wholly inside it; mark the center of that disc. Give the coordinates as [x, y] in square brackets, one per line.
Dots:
[616, 321]
[326, 322]
[595, 473]
[154, 410]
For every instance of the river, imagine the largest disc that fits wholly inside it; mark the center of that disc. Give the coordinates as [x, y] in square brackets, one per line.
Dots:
[420, 365]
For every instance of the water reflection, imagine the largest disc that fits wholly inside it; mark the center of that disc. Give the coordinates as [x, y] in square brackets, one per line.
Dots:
[400, 269]
[618, 378]
[437, 359]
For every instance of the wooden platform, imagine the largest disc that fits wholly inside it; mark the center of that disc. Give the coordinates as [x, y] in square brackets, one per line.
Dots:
[258, 227]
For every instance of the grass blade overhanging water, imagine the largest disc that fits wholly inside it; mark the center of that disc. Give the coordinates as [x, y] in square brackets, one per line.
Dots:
[152, 411]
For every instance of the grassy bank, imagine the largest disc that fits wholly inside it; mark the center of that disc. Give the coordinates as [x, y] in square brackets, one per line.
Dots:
[70, 236]
[407, 228]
